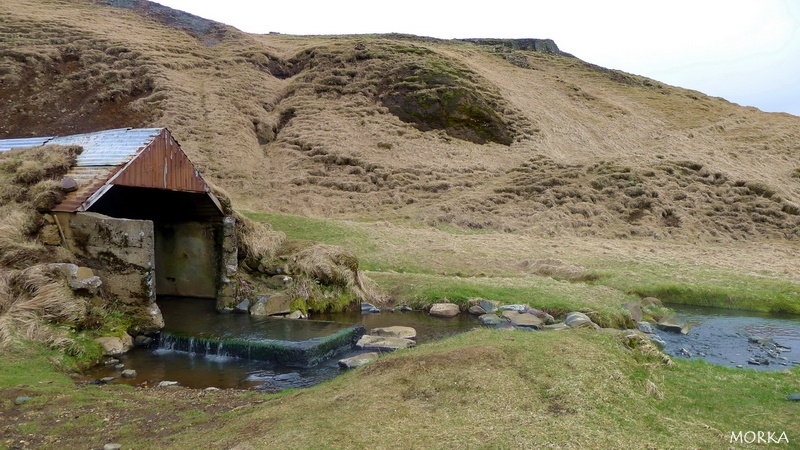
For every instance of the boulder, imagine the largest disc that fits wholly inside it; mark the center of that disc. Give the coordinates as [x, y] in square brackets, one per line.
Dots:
[444, 310]
[243, 307]
[645, 327]
[278, 281]
[358, 360]
[546, 318]
[673, 324]
[523, 320]
[578, 319]
[381, 343]
[79, 278]
[652, 301]
[476, 310]
[113, 345]
[369, 308]
[395, 331]
[68, 184]
[296, 315]
[270, 305]
[128, 373]
[635, 310]
[489, 306]
[142, 341]
[490, 320]
[518, 308]
[21, 400]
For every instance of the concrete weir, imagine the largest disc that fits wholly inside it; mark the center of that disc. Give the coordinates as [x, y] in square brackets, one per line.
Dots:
[299, 354]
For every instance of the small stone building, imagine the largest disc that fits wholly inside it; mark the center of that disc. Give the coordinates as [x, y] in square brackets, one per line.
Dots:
[141, 215]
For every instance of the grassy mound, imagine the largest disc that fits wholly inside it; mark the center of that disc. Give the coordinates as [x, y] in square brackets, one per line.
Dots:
[416, 84]
[517, 389]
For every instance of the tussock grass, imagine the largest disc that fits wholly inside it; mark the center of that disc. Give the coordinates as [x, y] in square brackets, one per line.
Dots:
[256, 240]
[29, 185]
[33, 302]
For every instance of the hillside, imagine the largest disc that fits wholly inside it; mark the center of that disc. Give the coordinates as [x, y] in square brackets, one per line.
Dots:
[482, 135]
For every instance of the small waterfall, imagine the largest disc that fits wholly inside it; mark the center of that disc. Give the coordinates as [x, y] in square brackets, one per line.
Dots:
[300, 354]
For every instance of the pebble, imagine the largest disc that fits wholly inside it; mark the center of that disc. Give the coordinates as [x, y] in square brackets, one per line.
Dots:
[211, 389]
[111, 362]
[112, 447]
[107, 379]
[119, 366]
[793, 397]
[167, 383]
[21, 400]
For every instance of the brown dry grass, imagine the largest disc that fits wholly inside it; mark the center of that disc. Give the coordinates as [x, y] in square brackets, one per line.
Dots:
[32, 302]
[624, 164]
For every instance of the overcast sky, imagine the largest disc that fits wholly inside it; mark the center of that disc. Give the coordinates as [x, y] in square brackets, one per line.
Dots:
[747, 52]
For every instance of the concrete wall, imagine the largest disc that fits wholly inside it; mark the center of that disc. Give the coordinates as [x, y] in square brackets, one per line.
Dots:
[122, 253]
[186, 259]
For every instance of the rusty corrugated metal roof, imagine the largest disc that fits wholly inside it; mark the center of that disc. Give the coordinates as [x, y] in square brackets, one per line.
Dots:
[133, 157]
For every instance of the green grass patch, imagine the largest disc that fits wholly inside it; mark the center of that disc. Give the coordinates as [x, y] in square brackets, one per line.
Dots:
[704, 286]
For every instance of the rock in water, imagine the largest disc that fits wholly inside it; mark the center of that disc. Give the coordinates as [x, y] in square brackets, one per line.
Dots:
[490, 320]
[113, 345]
[476, 310]
[395, 331]
[444, 310]
[369, 308]
[129, 373]
[368, 342]
[523, 320]
[673, 324]
[358, 360]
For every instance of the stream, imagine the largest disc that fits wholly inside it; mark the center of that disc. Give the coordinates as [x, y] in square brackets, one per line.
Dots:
[209, 366]
[743, 339]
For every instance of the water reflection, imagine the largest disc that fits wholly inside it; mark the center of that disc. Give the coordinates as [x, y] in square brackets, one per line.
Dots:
[736, 338]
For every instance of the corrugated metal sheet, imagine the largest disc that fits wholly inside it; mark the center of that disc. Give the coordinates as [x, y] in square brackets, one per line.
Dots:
[103, 148]
[110, 147]
[8, 144]
[90, 180]
[162, 165]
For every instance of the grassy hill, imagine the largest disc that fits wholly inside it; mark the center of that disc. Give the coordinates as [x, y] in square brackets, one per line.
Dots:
[452, 169]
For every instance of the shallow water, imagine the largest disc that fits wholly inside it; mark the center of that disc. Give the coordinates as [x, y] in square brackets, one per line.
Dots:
[727, 337]
[197, 317]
